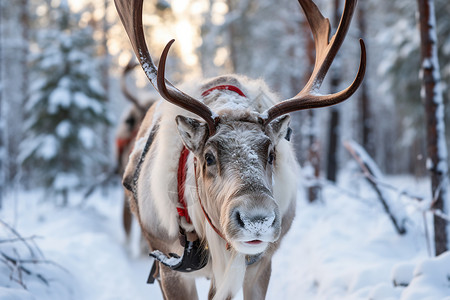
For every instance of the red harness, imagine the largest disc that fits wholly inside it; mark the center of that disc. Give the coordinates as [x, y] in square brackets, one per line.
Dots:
[181, 176]
[224, 87]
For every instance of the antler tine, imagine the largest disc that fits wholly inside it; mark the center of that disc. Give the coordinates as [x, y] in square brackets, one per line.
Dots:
[130, 12]
[320, 27]
[181, 99]
[307, 100]
[326, 51]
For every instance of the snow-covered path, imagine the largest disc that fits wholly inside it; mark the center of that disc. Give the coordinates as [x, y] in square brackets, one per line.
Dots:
[89, 243]
[345, 248]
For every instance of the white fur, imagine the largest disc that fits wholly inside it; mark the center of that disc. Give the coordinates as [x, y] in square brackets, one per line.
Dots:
[285, 176]
[162, 166]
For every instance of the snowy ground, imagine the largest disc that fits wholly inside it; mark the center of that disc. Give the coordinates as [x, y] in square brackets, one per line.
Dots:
[341, 248]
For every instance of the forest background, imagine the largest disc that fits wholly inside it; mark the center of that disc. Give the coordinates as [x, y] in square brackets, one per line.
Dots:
[61, 64]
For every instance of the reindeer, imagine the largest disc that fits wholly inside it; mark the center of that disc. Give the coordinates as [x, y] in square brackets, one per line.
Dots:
[220, 190]
[126, 134]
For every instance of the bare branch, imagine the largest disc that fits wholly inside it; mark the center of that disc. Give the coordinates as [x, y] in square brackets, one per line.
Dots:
[13, 240]
[12, 230]
[17, 263]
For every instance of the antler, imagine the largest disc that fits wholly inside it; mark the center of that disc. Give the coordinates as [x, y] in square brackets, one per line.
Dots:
[130, 13]
[179, 98]
[326, 50]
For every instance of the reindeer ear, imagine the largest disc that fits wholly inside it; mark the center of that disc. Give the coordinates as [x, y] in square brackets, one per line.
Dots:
[279, 128]
[192, 132]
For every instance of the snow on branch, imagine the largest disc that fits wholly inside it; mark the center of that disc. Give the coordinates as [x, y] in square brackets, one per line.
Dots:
[373, 175]
[421, 203]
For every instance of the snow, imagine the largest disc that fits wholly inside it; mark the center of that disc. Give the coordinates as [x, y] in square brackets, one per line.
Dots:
[87, 136]
[95, 85]
[63, 129]
[168, 261]
[428, 275]
[402, 274]
[65, 181]
[82, 101]
[48, 148]
[59, 97]
[341, 248]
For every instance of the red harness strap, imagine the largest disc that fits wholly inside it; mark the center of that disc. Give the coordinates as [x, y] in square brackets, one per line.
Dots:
[227, 246]
[181, 176]
[224, 87]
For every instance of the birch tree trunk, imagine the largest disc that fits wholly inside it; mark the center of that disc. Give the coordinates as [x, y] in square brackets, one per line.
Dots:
[434, 114]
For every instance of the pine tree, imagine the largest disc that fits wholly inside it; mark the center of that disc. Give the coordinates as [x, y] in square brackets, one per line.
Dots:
[66, 108]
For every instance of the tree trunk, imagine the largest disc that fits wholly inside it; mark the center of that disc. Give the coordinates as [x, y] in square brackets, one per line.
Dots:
[364, 101]
[105, 83]
[333, 138]
[239, 36]
[314, 190]
[207, 48]
[434, 115]
[333, 130]
[25, 83]
[2, 119]
[233, 32]
[105, 64]
[15, 31]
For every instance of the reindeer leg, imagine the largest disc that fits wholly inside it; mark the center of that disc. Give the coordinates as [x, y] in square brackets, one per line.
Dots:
[212, 290]
[126, 218]
[174, 286]
[257, 279]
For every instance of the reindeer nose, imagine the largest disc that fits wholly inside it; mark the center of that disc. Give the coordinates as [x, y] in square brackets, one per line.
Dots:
[257, 223]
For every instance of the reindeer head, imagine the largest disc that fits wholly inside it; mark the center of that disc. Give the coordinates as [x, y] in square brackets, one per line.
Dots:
[236, 152]
[234, 169]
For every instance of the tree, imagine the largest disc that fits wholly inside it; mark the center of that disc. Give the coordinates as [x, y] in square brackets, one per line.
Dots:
[14, 30]
[2, 118]
[334, 122]
[366, 121]
[398, 80]
[434, 115]
[312, 164]
[66, 107]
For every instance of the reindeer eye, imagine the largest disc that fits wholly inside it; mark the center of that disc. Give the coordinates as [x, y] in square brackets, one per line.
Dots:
[210, 159]
[271, 158]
